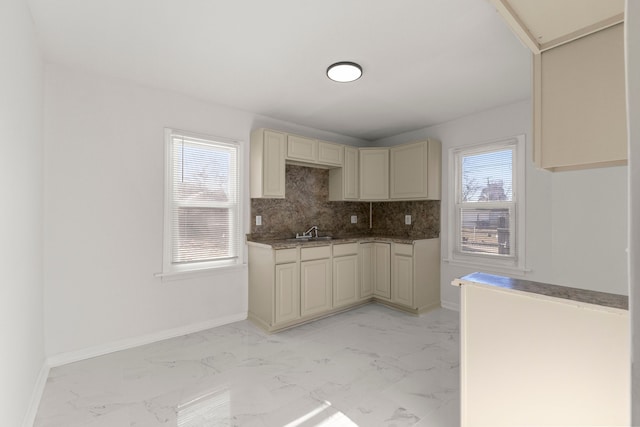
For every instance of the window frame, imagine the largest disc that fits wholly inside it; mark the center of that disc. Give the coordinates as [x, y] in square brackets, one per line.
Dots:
[515, 262]
[169, 268]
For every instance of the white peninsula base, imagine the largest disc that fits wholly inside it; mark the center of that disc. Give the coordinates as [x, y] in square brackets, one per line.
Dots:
[542, 355]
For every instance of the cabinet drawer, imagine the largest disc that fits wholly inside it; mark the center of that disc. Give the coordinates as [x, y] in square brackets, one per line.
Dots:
[402, 249]
[345, 249]
[317, 252]
[286, 255]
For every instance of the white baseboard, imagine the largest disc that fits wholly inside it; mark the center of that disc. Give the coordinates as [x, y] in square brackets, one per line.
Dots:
[99, 350]
[36, 396]
[455, 306]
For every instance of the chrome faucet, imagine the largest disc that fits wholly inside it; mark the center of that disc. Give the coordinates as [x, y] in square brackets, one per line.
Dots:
[308, 234]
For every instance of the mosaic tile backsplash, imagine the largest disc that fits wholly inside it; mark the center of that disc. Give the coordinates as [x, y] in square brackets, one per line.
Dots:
[306, 204]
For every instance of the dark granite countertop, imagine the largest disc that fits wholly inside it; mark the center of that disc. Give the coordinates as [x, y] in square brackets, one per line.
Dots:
[574, 294]
[280, 243]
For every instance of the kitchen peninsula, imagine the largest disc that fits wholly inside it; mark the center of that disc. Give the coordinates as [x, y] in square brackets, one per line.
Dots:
[539, 354]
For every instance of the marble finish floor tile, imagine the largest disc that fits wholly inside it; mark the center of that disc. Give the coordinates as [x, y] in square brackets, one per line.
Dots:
[372, 366]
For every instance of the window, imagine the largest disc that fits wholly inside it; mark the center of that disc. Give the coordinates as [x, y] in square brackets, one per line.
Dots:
[202, 207]
[488, 203]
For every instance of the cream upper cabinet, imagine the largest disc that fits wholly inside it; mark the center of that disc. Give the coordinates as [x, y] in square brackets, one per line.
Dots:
[404, 172]
[301, 148]
[579, 101]
[343, 182]
[579, 107]
[268, 164]
[374, 173]
[330, 153]
[351, 175]
[415, 170]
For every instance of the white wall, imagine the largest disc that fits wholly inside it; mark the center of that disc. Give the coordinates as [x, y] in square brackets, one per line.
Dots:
[632, 42]
[21, 102]
[589, 240]
[103, 170]
[558, 250]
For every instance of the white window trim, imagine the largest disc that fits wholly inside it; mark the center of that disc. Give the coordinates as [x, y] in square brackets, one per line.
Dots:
[172, 271]
[505, 264]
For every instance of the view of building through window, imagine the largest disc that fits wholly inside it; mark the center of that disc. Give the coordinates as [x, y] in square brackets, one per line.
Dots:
[485, 202]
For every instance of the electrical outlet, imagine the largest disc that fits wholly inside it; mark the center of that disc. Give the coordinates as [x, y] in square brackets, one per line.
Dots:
[407, 219]
[258, 219]
[354, 219]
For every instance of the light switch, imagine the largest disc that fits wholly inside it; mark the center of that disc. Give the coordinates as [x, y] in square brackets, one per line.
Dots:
[354, 219]
[407, 219]
[258, 219]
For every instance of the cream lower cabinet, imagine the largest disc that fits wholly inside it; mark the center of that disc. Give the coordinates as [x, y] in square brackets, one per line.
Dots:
[287, 289]
[274, 286]
[415, 275]
[315, 284]
[345, 274]
[366, 269]
[315, 280]
[291, 286]
[402, 275]
[376, 271]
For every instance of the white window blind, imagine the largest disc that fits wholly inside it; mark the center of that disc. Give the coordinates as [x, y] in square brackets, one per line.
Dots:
[486, 201]
[202, 211]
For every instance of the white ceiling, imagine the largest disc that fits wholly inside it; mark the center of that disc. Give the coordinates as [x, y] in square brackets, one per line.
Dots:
[425, 61]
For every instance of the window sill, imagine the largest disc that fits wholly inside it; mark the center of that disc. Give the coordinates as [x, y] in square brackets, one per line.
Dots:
[489, 267]
[201, 272]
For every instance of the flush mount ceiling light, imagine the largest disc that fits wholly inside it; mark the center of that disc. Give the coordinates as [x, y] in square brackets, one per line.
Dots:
[344, 72]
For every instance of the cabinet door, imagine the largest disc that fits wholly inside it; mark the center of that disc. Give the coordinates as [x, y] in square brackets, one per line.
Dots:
[366, 268]
[301, 148]
[287, 293]
[343, 182]
[408, 171]
[350, 173]
[345, 280]
[579, 101]
[273, 173]
[374, 173]
[382, 270]
[268, 149]
[402, 281]
[330, 153]
[315, 284]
